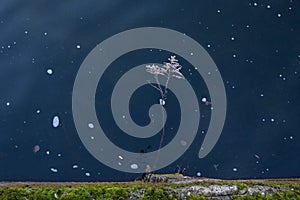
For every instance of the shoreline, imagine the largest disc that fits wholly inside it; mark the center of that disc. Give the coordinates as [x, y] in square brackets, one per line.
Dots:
[159, 186]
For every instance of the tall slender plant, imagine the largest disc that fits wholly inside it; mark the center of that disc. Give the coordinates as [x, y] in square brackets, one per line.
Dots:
[167, 70]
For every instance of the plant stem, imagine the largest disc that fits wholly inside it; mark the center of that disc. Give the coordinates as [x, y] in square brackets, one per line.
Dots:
[162, 94]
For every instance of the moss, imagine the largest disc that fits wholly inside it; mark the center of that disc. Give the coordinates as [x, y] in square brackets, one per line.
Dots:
[241, 186]
[195, 197]
[157, 194]
[117, 193]
[170, 175]
[160, 191]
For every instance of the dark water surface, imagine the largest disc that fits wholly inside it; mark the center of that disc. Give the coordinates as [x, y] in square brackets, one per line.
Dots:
[255, 45]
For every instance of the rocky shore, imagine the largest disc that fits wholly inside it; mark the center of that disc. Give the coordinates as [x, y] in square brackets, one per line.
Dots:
[220, 189]
[172, 186]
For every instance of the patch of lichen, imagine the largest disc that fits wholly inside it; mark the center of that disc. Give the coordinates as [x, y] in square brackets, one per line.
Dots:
[276, 196]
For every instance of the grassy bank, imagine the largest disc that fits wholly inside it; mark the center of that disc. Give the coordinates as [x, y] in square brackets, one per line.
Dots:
[200, 189]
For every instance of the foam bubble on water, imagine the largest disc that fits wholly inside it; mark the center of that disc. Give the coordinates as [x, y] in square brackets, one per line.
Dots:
[134, 166]
[91, 125]
[49, 71]
[120, 157]
[54, 170]
[55, 121]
